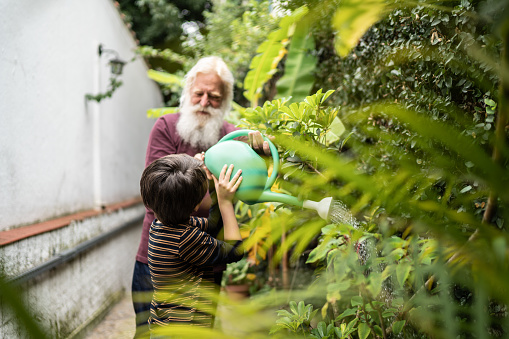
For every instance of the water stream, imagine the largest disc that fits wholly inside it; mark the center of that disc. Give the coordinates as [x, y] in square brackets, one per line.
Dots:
[340, 214]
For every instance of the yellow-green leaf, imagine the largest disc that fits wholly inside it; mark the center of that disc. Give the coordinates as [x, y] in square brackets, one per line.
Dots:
[270, 52]
[164, 78]
[375, 283]
[336, 129]
[159, 112]
[352, 19]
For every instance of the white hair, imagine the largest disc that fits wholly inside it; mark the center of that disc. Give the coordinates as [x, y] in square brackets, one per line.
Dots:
[208, 65]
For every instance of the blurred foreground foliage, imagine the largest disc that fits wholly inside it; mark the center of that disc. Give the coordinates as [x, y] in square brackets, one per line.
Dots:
[407, 127]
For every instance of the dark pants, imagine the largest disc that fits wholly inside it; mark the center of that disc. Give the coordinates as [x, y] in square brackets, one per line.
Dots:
[142, 296]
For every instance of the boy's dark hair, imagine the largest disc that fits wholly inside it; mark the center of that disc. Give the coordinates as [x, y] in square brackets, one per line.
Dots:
[172, 186]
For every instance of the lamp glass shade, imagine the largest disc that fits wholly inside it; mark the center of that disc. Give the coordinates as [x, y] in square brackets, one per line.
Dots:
[116, 66]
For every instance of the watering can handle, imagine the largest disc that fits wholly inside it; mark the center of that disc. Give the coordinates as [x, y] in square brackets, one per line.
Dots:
[273, 151]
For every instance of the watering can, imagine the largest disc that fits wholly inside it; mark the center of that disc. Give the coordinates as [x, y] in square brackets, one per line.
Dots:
[256, 183]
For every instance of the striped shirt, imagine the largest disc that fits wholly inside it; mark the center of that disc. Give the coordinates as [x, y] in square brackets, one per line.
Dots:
[181, 259]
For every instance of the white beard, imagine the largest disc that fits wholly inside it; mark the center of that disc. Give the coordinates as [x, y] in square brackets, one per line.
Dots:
[201, 132]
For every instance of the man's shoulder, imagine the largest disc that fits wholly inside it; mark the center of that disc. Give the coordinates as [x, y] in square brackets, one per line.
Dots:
[165, 126]
[170, 118]
[228, 127]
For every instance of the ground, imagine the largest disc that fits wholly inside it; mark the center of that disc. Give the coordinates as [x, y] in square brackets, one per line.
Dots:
[118, 324]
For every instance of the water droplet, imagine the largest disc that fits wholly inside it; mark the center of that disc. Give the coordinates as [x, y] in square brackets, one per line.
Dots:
[340, 214]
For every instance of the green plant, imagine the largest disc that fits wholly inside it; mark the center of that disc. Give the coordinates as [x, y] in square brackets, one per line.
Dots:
[310, 121]
[264, 65]
[112, 87]
[160, 21]
[236, 273]
[368, 276]
[298, 320]
[421, 208]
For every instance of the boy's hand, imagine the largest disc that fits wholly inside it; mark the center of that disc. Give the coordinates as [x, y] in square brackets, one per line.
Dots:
[225, 187]
[200, 156]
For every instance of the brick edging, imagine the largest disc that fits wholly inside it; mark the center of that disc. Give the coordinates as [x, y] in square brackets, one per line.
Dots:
[16, 234]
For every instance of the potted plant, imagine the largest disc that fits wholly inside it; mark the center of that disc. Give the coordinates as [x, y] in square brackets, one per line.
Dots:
[237, 279]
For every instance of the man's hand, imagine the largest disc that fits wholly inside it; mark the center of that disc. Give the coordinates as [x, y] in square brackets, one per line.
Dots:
[258, 144]
[201, 157]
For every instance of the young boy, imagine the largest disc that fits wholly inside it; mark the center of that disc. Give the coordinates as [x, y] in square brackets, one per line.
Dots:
[183, 249]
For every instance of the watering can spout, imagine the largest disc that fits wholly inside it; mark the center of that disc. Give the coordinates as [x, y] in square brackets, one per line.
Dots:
[322, 207]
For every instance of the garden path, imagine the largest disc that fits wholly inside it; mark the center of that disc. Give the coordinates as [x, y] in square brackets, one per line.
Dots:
[119, 322]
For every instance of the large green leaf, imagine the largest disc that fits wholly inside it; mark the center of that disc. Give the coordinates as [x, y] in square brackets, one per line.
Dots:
[271, 51]
[352, 19]
[363, 330]
[397, 327]
[263, 65]
[300, 64]
[164, 78]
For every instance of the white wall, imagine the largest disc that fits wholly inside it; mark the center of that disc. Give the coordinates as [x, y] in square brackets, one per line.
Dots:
[48, 62]
[66, 300]
[60, 155]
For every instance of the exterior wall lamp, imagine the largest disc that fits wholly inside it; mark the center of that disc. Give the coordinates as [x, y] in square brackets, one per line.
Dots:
[116, 63]
[116, 68]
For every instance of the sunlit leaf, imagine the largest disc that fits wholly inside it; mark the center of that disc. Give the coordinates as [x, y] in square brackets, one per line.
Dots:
[466, 189]
[159, 112]
[352, 19]
[336, 129]
[164, 77]
[270, 52]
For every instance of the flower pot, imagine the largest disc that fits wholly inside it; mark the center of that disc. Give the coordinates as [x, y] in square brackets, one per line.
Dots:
[237, 292]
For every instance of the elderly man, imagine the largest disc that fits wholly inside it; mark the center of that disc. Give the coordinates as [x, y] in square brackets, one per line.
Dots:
[204, 103]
